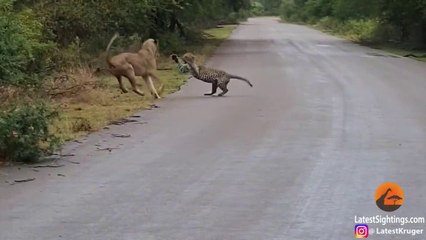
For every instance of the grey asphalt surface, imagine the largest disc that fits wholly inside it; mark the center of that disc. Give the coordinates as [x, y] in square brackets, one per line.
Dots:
[295, 157]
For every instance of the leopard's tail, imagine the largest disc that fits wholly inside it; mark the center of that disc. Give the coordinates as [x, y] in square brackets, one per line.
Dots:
[241, 78]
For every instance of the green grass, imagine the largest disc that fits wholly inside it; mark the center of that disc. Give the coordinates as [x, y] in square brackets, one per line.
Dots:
[220, 33]
[96, 108]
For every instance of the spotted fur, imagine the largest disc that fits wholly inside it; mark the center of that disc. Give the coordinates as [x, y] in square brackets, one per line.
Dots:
[217, 78]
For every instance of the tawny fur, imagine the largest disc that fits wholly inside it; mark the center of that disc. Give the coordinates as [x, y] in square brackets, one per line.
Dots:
[131, 65]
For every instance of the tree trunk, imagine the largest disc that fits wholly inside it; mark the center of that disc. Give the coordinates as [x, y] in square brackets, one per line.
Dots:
[405, 32]
[174, 22]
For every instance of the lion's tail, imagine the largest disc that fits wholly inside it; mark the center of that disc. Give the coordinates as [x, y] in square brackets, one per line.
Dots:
[108, 55]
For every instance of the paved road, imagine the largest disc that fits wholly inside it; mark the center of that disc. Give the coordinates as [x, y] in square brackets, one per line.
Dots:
[295, 157]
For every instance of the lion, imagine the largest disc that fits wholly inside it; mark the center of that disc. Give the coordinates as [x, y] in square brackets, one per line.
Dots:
[130, 65]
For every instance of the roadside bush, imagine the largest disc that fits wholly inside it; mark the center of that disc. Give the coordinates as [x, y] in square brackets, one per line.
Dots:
[23, 54]
[236, 17]
[388, 33]
[170, 43]
[68, 57]
[243, 14]
[290, 11]
[257, 9]
[232, 18]
[329, 23]
[24, 133]
[363, 30]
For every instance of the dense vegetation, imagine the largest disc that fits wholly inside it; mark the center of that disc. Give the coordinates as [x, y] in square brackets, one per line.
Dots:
[371, 21]
[40, 40]
[38, 36]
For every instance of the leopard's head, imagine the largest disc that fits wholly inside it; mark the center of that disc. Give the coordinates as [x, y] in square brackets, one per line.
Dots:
[189, 58]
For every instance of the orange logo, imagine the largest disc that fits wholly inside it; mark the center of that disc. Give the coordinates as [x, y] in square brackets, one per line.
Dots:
[389, 197]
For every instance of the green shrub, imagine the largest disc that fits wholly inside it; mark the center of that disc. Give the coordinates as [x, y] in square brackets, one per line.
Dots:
[363, 30]
[387, 33]
[257, 9]
[329, 23]
[232, 18]
[243, 14]
[23, 55]
[24, 133]
[68, 57]
[170, 43]
[290, 11]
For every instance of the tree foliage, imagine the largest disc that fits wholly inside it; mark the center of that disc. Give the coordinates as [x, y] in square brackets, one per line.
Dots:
[34, 34]
[271, 6]
[22, 51]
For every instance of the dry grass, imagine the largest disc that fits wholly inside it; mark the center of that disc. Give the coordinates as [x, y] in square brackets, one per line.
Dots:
[10, 96]
[88, 103]
[73, 83]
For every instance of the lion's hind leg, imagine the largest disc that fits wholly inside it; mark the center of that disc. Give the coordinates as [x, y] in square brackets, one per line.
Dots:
[120, 82]
[130, 74]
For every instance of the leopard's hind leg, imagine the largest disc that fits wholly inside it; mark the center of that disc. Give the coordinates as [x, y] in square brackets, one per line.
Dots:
[224, 87]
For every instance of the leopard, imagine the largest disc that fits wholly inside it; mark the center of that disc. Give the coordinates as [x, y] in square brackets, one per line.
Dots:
[218, 78]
